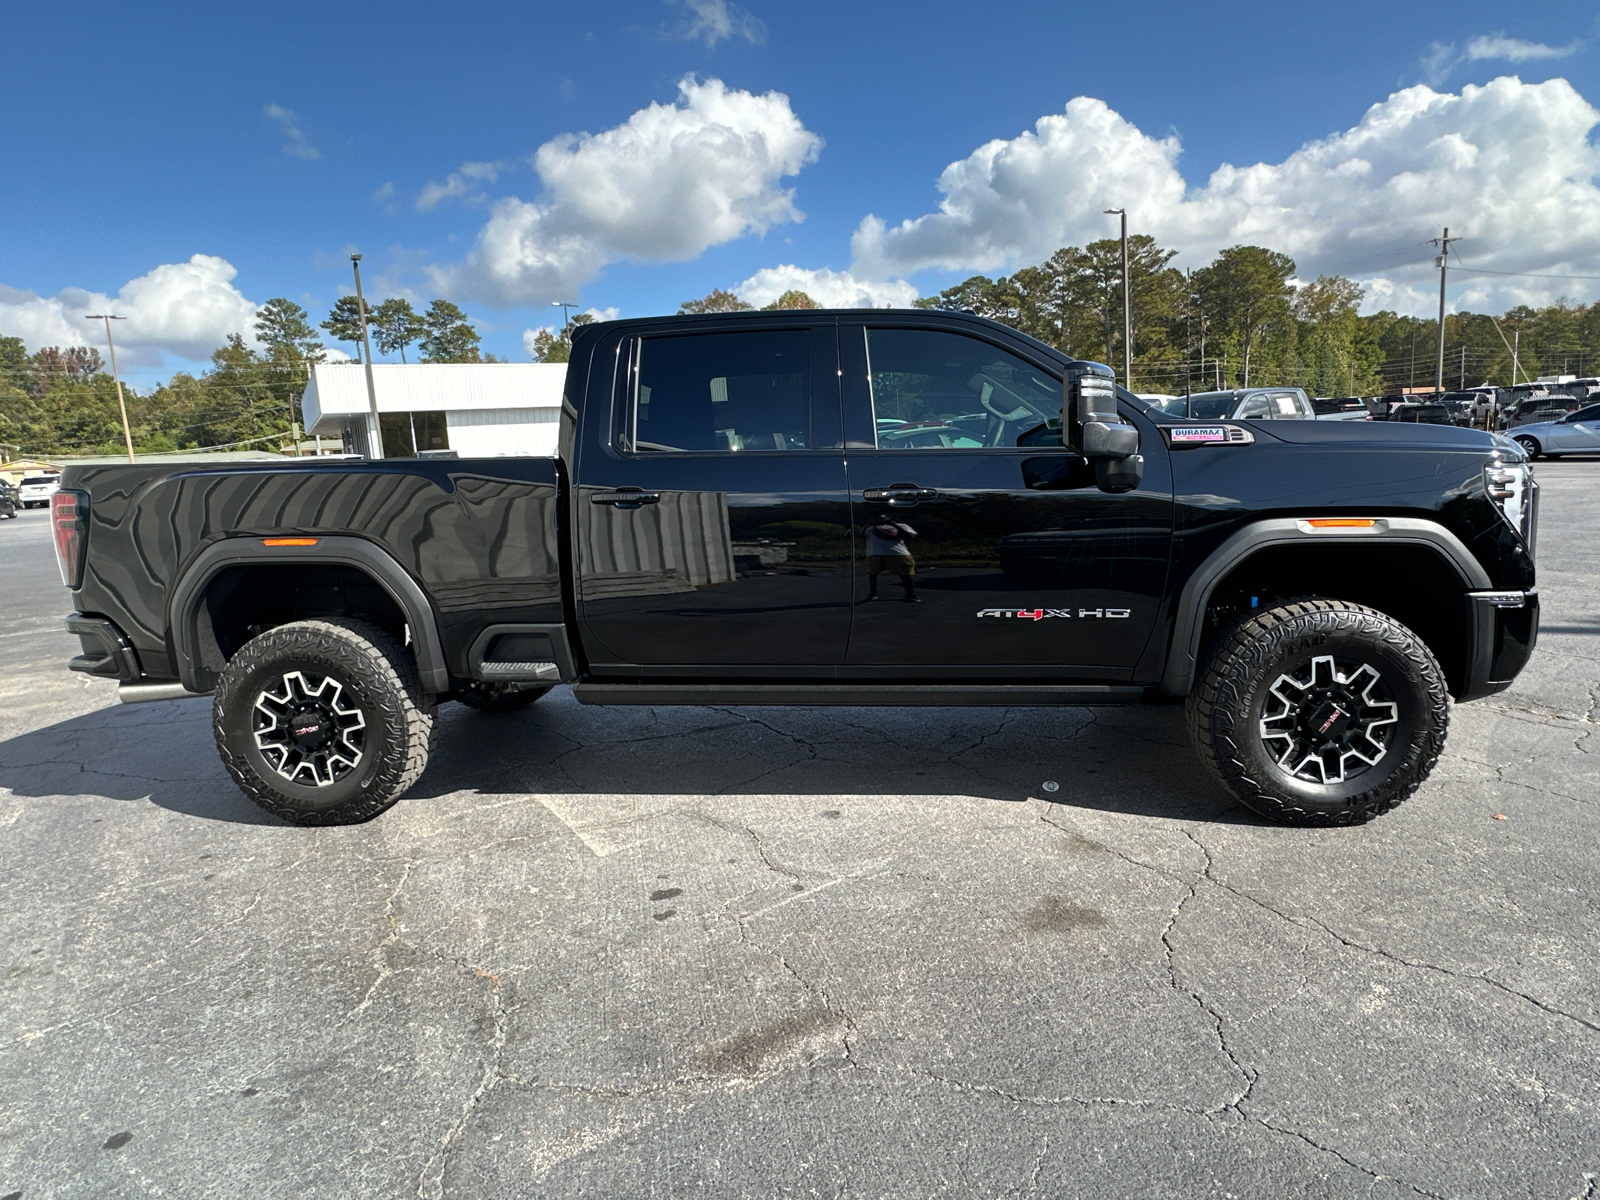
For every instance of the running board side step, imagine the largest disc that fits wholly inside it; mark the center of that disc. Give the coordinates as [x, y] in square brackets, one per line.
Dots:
[951, 695]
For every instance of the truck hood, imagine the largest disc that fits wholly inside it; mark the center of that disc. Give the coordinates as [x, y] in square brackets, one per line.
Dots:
[1389, 435]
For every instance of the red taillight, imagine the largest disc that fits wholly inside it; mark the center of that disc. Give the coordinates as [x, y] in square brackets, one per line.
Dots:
[69, 521]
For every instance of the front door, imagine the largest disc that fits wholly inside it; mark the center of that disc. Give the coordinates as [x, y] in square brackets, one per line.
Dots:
[1579, 433]
[1008, 556]
[711, 512]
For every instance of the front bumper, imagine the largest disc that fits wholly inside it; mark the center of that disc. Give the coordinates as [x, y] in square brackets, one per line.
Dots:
[1505, 630]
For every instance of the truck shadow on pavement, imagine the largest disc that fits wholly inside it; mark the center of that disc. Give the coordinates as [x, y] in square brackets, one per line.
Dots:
[1133, 760]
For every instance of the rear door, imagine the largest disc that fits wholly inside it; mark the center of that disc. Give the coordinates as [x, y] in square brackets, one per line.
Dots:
[1021, 566]
[711, 516]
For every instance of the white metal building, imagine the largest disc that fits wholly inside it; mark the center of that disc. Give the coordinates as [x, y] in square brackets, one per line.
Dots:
[478, 410]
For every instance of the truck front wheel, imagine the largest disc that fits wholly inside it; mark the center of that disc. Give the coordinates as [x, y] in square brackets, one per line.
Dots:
[323, 722]
[1320, 712]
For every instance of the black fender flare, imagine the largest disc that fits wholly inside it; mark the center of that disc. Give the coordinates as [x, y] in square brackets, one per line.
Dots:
[1189, 617]
[184, 606]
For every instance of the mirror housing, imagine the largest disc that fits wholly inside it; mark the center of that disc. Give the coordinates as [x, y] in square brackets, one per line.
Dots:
[1119, 474]
[1091, 425]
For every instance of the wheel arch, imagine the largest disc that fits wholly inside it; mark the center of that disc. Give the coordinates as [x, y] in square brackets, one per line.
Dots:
[1452, 568]
[193, 627]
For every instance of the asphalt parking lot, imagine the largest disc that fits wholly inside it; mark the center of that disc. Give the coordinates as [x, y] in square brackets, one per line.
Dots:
[688, 952]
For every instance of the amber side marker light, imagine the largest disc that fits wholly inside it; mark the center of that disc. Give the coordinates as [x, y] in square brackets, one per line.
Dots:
[288, 541]
[1341, 522]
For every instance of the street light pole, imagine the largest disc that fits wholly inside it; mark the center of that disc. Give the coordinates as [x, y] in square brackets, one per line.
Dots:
[1443, 263]
[375, 443]
[127, 434]
[1127, 304]
[564, 306]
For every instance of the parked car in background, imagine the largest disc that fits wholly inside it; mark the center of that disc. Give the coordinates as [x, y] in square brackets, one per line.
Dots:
[1539, 409]
[1240, 404]
[1340, 408]
[1428, 412]
[9, 500]
[36, 490]
[1576, 433]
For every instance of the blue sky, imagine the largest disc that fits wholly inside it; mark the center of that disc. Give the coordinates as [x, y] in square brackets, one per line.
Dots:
[273, 140]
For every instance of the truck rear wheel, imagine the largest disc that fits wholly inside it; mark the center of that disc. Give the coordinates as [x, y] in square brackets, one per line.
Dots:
[323, 722]
[1320, 713]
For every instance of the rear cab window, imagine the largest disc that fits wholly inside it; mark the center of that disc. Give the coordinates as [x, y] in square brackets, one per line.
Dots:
[723, 392]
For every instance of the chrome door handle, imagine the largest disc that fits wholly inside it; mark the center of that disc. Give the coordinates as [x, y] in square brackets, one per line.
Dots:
[625, 498]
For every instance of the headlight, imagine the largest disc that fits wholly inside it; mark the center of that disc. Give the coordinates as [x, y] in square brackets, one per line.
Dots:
[1512, 488]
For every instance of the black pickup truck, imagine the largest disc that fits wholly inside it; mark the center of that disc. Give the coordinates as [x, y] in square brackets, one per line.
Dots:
[846, 508]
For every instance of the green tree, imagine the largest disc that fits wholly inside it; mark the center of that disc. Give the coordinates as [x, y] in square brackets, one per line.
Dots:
[792, 299]
[281, 325]
[1246, 292]
[1332, 359]
[995, 299]
[447, 336]
[718, 301]
[557, 347]
[344, 322]
[396, 325]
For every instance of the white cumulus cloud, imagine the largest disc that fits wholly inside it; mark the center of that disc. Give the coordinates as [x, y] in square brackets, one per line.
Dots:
[1509, 165]
[831, 289]
[185, 309]
[670, 182]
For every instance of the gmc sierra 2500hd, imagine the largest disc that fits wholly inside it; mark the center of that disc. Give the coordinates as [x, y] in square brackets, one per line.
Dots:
[728, 495]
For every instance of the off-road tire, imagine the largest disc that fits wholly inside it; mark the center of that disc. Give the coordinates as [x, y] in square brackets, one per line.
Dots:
[378, 675]
[498, 697]
[1530, 445]
[1226, 706]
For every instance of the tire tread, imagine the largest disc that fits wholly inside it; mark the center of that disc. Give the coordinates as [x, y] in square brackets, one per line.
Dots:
[1216, 704]
[361, 648]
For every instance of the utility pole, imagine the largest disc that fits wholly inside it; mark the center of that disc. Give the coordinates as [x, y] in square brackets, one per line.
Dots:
[375, 448]
[1516, 345]
[1463, 366]
[127, 434]
[1127, 304]
[1443, 263]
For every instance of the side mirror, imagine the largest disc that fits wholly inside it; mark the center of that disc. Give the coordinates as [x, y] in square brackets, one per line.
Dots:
[1091, 425]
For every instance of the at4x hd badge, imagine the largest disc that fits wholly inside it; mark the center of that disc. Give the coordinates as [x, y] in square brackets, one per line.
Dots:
[1040, 614]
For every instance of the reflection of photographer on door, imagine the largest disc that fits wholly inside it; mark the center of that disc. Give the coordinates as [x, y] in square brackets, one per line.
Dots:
[887, 551]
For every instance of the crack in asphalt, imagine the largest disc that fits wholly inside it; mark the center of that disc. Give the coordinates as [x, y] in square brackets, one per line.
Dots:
[430, 1183]
[379, 958]
[1192, 890]
[1375, 1176]
[745, 831]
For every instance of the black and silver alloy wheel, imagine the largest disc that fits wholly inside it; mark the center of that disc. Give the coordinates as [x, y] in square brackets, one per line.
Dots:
[323, 722]
[307, 731]
[1328, 721]
[1319, 712]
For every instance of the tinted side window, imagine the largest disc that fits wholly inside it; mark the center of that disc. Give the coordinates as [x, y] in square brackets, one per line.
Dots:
[934, 390]
[723, 391]
[1256, 406]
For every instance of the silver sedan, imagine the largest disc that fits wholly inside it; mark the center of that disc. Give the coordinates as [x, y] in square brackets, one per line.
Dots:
[1576, 433]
